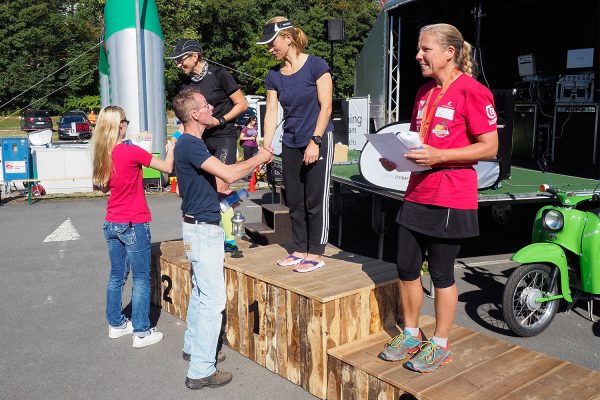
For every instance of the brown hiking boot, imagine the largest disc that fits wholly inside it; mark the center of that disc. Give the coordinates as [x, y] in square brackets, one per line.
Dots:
[220, 356]
[219, 378]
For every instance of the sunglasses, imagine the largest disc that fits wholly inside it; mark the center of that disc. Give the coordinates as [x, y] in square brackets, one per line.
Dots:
[125, 121]
[182, 58]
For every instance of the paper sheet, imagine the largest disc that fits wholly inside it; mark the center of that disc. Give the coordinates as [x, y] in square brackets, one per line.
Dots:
[393, 146]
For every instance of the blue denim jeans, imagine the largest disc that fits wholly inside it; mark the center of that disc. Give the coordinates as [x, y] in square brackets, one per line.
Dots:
[129, 249]
[204, 248]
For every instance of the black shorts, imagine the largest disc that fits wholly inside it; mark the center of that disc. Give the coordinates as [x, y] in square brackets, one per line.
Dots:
[440, 222]
[414, 248]
[224, 148]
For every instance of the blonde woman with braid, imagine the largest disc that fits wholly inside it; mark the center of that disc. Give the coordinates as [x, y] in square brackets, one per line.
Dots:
[117, 167]
[455, 117]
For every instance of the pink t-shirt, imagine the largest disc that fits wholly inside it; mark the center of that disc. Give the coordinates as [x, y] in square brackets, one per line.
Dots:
[465, 111]
[127, 201]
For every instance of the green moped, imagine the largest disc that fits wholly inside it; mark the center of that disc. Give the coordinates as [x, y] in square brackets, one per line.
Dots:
[562, 263]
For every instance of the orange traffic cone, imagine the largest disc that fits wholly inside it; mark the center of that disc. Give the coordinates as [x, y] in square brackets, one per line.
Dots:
[251, 186]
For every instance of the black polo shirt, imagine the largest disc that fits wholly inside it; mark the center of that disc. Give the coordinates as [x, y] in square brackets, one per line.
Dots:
[216, 86]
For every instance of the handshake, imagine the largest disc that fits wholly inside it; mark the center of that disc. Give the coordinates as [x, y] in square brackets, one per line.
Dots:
[265, 155]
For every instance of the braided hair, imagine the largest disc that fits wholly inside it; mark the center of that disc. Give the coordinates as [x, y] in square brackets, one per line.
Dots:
[447, 35]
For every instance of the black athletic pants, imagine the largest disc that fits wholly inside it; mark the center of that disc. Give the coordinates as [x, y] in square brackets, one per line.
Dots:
[307, 195]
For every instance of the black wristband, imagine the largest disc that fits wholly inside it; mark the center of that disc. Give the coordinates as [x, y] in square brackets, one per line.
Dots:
[222, 121]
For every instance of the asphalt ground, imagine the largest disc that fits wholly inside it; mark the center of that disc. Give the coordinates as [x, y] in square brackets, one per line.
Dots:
[53, 334]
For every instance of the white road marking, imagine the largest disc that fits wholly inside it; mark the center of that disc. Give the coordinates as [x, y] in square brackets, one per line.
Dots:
[65, 232]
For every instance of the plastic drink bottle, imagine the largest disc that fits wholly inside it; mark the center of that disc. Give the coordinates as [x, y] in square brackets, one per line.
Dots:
[411, 140]
[233, 198]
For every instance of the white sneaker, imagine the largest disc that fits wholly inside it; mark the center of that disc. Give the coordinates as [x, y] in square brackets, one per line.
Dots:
[154, 337]
[114, 333]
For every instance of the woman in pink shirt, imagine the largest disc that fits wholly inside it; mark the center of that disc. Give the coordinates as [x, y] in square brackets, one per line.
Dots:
[117, 167]
[454, 115]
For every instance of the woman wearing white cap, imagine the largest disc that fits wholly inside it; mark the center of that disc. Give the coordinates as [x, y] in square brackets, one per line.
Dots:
[223, 93]
[303, 86]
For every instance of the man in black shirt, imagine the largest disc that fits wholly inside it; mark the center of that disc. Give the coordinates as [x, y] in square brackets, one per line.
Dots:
[223, 93]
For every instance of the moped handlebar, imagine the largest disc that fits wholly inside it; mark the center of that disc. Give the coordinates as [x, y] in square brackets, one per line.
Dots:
[549, 189]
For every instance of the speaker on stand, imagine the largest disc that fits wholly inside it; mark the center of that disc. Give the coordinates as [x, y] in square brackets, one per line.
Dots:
[335, 31]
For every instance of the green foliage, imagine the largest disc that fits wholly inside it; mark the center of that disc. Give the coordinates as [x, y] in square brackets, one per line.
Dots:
[38, 37]
[228, 31]
[85, 103]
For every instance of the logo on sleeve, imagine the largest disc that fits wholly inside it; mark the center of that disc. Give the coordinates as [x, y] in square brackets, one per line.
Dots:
[491, 114]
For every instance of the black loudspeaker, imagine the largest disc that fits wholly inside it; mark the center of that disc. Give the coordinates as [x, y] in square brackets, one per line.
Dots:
[574, 139]
[335, 30]
[524, 132]
[504, 102]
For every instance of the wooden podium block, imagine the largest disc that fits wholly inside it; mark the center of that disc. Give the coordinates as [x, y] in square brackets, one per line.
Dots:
[171, 276]
[286, 321]
[483, 367]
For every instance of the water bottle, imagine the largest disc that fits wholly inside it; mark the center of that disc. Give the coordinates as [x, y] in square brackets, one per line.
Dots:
[411, 139]
[233, 198]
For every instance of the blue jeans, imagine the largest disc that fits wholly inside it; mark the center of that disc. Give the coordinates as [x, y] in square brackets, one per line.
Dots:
[128, 249]
[204, 248]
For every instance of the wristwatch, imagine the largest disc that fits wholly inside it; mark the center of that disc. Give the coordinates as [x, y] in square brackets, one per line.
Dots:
[317, 139]
[222, 121]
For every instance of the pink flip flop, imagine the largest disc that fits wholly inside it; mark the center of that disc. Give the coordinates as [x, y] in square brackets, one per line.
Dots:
[309, 265]
[290, 260]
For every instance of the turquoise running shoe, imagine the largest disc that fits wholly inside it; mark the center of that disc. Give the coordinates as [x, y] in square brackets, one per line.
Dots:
[231, 246]
[399, 346]
[430, 357]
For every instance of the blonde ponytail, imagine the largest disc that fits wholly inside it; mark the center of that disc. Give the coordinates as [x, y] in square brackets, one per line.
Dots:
[466, 63]
[299, 38]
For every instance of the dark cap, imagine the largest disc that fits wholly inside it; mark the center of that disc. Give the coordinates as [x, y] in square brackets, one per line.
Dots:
[185, 46]
[270, 31]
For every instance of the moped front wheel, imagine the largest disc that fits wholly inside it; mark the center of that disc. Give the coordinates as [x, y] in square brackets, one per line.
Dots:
[523, 315]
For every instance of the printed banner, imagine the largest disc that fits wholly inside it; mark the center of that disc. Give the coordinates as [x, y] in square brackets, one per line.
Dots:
[15, 167]
[358, 122]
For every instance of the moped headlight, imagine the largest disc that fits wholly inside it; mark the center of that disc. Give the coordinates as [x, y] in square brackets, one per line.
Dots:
[553, 220]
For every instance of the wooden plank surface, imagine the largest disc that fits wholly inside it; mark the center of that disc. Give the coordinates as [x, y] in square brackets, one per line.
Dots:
[345, 273]
[483, 368]
[563, 382]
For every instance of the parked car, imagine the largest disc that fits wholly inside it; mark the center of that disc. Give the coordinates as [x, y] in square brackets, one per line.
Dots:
[33, 120]
[77, 112]
[74, 126]
[241, 121]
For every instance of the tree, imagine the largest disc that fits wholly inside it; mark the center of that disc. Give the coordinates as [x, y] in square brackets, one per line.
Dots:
[38, 38]
[228, 31]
